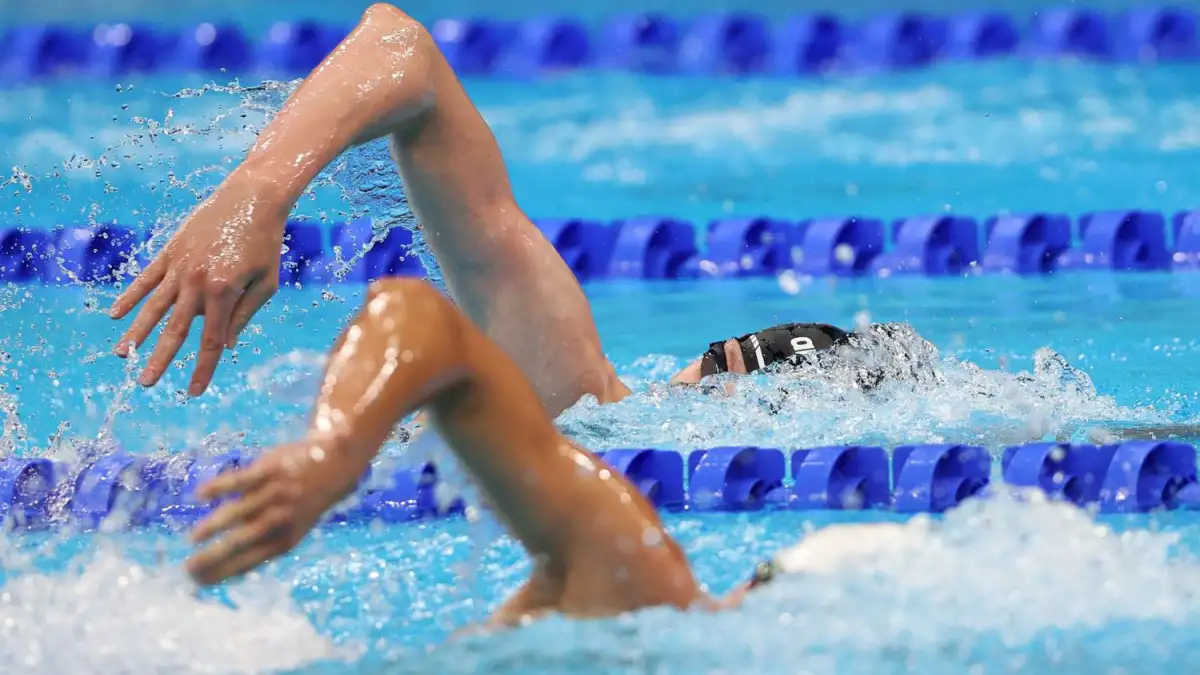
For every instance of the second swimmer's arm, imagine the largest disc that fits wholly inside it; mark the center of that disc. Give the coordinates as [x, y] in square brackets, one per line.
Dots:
[409, 347]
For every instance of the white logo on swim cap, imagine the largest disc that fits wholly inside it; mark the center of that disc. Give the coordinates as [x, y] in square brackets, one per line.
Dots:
[803, 344]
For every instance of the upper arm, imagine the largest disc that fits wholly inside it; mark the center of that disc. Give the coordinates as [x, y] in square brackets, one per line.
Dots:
[578, 518]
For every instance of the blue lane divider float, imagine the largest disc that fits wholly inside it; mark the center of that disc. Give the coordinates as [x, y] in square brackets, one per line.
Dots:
[298, 46]
[733, 43]
[209, 48]
[1026, 244]
[749, 246]
[719, 43]
[647, 43]
[26, 488]
[931, 245]
[1133, 477]
[585, 245]
[1186, 254]
[837, 246]
[1120, 240]
[840, 478]
[363, 254]
[118, 489]
[981, 35]
[94, 254]
[658, 474]
[24, 254]
[934, 478]
[735, 479]
[1073, 32]
[654, 247]
[896, 40]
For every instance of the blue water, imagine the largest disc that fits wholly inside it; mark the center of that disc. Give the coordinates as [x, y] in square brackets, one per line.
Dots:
[1010, 587]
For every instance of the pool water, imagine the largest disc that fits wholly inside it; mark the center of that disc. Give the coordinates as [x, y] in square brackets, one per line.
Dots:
[1012, 584]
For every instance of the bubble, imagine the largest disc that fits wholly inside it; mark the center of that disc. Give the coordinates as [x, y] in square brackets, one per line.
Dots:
[788, 282]
[862, 319]
[844, 253]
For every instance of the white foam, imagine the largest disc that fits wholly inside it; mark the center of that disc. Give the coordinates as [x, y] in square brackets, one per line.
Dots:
[116, 616]
[1015, 565]
[948, 401]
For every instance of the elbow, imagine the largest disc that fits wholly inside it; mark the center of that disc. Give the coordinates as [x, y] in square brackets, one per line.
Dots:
[401, 44]
[414, 301]
[384, 12]
[406, 290]
[426, 323]
[398, 33]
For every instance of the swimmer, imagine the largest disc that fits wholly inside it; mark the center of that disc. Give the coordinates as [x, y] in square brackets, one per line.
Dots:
[597, 545]
[389, 79]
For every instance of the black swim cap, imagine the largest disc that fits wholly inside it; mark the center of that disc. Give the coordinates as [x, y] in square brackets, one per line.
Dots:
[771, 345]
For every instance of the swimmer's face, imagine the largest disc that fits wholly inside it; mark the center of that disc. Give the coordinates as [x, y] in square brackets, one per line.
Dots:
[733, 358]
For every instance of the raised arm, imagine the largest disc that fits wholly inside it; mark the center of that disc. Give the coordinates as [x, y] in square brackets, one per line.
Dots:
[387, 78]
[598, 546]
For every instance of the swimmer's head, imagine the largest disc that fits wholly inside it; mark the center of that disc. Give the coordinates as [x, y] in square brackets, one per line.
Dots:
[832, 549]
[871, 356]
[783, 344]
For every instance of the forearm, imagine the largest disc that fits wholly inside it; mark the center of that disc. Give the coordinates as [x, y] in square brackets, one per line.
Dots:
[371, 85]
[409, 347]
[387, 363]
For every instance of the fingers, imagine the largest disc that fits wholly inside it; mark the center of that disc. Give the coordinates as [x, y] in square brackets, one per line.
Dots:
[138, 288]
[153, 312]
[226, 309]
[256, 295]
[734, 363]
[733, 357]
[210, 570]
[231, 513]
[244, 549]
[219, 302]
[172, 337]
[232, 482]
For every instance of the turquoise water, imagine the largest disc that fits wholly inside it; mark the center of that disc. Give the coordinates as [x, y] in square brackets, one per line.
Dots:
[1012, 586]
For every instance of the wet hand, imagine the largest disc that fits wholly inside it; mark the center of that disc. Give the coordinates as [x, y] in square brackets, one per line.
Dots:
[223, 263]
[734, 363]
[277, 502]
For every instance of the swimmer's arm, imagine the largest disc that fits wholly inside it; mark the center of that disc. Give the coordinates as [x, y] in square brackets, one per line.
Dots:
[376, 82]
[388, 78]
[409, 347]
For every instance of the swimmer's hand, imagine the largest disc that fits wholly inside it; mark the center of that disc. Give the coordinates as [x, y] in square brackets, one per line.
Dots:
[734, 361]
[276, 502]
[222, 263]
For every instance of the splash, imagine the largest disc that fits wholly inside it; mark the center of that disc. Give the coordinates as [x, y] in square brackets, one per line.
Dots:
[371, 185]
[1015, 565]
[1009, 584]
[891, 387]
[116, 616]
